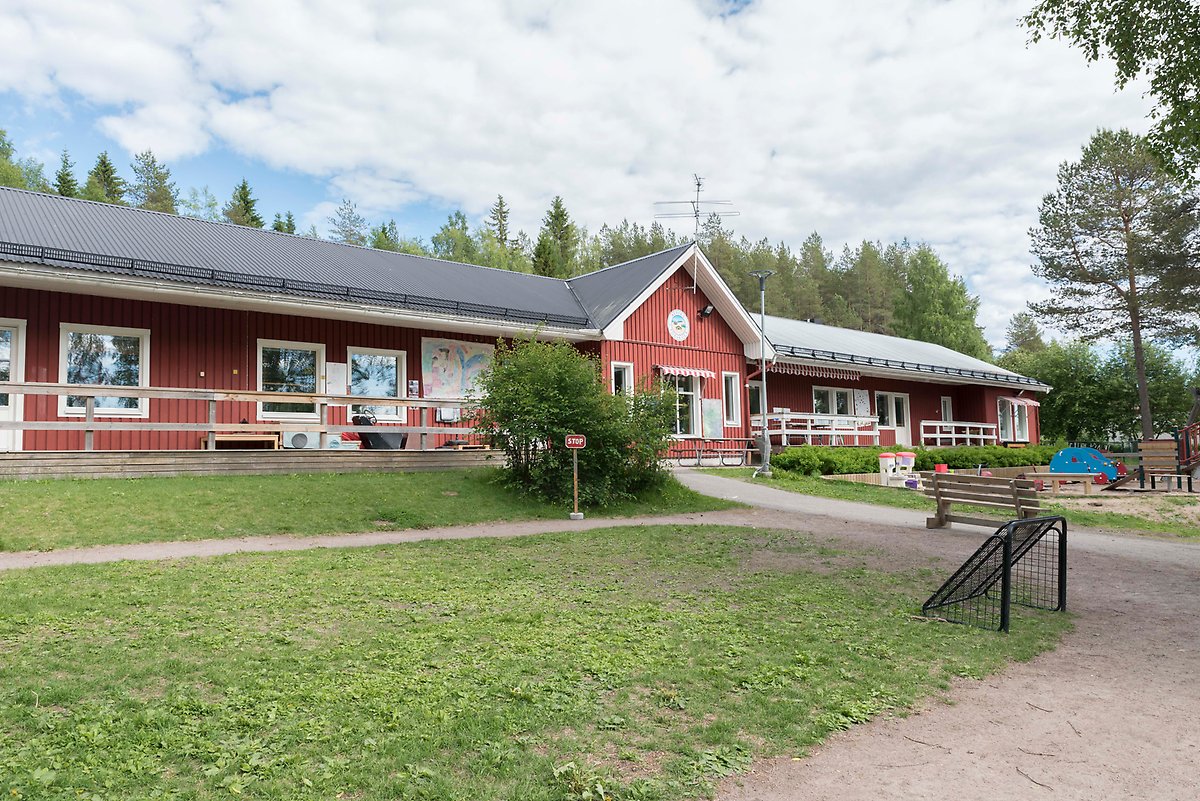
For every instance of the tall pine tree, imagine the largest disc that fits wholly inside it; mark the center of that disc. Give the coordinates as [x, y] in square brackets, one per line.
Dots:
[64, 180]
[241, 208]
[498, 220]
[554, 255]
[103, 183]
[152, 188]
[284, 224]
[348, 226]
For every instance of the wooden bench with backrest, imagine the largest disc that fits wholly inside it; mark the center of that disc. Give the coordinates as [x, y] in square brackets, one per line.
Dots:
[1017, 496]
[1160, 461]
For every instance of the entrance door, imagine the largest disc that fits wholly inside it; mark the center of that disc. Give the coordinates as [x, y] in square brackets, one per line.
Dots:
[11, 348]
[892, 410]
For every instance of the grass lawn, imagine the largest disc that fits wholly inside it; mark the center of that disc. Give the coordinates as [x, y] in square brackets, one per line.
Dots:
[653, 660]
[1174, 524]
[43, 515]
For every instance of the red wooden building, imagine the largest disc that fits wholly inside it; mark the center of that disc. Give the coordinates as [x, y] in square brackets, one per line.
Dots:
[205, 324]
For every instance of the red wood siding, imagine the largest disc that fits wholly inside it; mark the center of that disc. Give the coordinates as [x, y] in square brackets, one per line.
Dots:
[711, 344]
[186, 341]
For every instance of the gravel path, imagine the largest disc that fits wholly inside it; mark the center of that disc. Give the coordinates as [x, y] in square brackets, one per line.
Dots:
[1114, 712]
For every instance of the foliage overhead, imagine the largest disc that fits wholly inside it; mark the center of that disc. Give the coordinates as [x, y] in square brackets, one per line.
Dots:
[1157, 39]
[535, 393]
[242, 208]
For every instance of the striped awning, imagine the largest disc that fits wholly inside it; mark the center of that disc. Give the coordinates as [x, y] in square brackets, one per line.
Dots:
[1022, 401]
[667, 369]
[814, 372]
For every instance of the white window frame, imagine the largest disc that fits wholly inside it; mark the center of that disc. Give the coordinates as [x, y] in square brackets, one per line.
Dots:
[849, 393]
[947, 408]
[753, 387]
[320, 389]
[697, 394]
[143, 407]
[1018, 420]
[16, 374]
[620, 367]
[401, 357]
[731, 390]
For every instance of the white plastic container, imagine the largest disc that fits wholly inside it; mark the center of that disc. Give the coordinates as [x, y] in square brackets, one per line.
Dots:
[906, 460]
[887, 463]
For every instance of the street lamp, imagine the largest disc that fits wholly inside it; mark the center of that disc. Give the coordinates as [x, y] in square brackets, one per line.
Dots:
[764, 469]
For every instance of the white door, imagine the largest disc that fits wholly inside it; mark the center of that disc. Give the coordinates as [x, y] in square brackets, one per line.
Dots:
[892, 410]
[11, 348]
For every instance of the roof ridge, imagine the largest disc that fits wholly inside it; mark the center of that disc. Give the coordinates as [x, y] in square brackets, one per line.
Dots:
[630, 261]
[264, 230]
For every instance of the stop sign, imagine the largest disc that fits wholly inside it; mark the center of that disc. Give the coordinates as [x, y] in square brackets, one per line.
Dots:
[576, 441]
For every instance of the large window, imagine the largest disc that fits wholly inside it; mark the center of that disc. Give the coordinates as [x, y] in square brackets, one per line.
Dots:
[6, 359]
[378, 373]
[290, 367]
[731, 388]
[117, 357]
[754, 396]
[1014, 421]
[831, 401]
[687, 403]
[622, 378]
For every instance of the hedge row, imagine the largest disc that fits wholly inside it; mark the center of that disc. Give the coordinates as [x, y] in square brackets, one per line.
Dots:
[825, 460]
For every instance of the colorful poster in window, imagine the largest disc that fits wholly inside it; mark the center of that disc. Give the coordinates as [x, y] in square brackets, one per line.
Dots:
[450, 368]
[862, 403]
[714, 424]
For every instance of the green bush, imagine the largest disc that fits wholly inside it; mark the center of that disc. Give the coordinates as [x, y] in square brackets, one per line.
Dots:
[826, 460]
[535, 393]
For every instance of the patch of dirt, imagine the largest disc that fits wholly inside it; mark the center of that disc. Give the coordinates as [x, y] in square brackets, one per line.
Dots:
[1163, 507]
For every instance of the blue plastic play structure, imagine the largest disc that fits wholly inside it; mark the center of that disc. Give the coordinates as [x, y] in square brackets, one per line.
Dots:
[1086, 460]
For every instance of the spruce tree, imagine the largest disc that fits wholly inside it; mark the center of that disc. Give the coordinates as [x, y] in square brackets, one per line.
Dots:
[554, 254]
[64, 180]
[104, 184]
[152, 187]
[241, 207]
[498, 220]
[284, 224]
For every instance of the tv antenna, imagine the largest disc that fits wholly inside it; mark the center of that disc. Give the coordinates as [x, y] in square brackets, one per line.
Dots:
[699, 207]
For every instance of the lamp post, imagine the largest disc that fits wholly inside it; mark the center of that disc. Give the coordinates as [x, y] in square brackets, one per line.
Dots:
[764, 469]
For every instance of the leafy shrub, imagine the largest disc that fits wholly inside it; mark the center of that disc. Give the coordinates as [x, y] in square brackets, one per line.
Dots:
[826, 460]
[535, 393]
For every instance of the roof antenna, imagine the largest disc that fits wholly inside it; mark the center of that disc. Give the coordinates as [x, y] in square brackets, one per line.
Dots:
[695, 213]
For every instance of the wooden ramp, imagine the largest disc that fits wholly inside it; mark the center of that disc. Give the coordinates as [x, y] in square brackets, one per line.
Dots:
[142, 464]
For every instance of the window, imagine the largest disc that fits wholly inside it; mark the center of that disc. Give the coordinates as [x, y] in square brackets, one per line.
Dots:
[754, 399]
[290, 367]
[831, 401]
[687, 403]
[1014, 420]
[379, 373]
[118, 357]
[622, 378]
[6, 360]
[891, 409]
[947, 408]
[731, 386]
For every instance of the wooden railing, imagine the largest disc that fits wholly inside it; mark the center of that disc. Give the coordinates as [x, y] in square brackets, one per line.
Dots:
[794, 428]
[1188, 438]
[91, 419]
[940, 433]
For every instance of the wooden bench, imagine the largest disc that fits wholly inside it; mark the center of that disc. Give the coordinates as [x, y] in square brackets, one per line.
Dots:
[1160, 463]
[1087, 479]
[1017, 496]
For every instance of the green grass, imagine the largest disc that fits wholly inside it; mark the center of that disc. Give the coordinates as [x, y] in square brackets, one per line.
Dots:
[43, 515]
[652, 660]
[885, 496]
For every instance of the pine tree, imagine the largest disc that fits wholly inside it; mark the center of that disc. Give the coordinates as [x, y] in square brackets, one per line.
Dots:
[104, 184]
[498, 220]
[386, 236]
[202, 204]
[64, 180]
[554, 254]
[284, 224]
[152, 187]
[1023, 334]
[241, 207]
[349, 227]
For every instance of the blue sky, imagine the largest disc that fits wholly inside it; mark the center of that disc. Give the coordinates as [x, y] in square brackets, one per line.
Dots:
[918, 119]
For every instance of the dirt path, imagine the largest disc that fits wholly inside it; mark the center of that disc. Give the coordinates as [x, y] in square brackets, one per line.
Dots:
[1114, 712]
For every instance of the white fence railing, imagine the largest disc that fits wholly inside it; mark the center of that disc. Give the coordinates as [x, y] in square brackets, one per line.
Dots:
[941, 433]
[796, 428]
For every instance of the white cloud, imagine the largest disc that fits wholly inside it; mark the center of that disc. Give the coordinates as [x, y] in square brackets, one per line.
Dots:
[877, 120]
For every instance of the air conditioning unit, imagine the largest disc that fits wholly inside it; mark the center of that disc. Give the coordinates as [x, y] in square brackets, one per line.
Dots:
[301, 439]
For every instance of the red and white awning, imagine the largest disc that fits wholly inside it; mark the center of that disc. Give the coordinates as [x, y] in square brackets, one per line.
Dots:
[811, 371]
[667, 369]
[1021, 401]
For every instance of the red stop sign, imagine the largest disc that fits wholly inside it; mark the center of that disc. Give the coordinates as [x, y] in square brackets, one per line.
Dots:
[576, 441]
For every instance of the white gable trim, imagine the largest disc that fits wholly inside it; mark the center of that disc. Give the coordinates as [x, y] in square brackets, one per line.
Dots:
[708, 279]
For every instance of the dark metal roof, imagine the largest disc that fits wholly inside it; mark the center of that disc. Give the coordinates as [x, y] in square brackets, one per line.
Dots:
[99, 237]
[606, 293]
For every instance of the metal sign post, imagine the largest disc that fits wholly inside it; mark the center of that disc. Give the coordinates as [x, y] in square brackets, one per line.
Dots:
[576, 442]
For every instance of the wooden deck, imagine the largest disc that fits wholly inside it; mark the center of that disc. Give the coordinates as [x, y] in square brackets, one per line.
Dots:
[142, 464]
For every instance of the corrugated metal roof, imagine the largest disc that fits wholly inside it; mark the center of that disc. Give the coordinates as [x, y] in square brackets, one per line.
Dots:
[606, 293]
[805, 340]
[198, 251]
